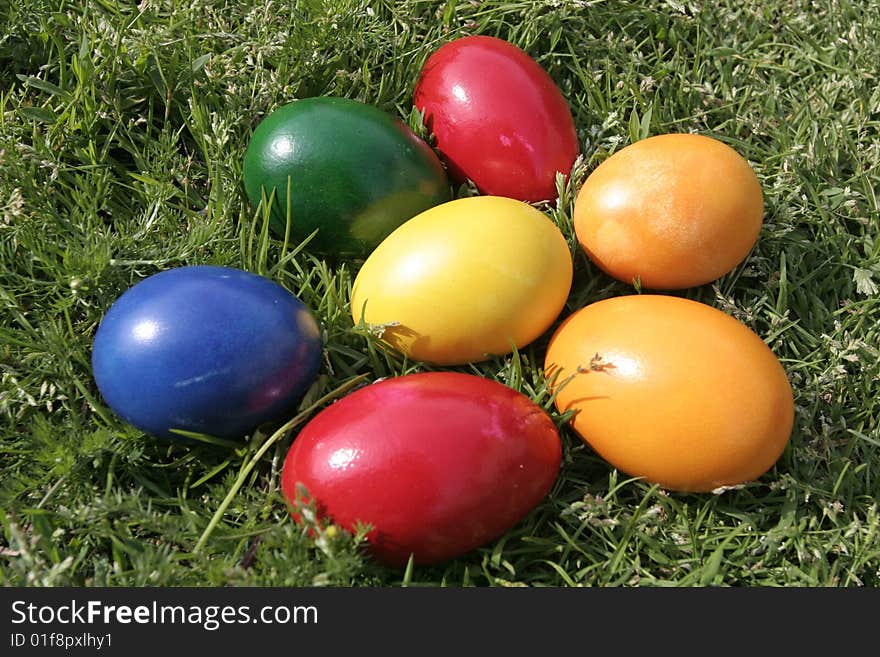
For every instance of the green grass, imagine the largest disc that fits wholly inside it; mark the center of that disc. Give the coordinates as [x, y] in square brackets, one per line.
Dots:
[122, 131]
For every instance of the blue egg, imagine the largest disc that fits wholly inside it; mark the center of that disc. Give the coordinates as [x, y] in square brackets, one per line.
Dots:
[212, 350]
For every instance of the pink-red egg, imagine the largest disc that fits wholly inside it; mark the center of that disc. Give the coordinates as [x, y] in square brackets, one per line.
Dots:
[498, 117]
[437, 463]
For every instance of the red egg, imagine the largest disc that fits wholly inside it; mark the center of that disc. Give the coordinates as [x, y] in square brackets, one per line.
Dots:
[498, 117]
[438, 463]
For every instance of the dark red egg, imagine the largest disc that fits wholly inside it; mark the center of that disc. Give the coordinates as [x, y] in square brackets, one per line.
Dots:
[438, 463]
[498, 117]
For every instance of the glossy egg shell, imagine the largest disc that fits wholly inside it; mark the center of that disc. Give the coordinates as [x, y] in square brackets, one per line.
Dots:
[465, 280]
[355, 173]
[674, 211]
[211, 350]
[438, 463]
[672, 390]
[498, 117]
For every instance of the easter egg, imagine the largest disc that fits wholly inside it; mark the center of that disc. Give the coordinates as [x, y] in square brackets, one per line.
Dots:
[465, 280]
[498, 118]
[437, 463]
[210, 350]
[346, 169]
[673, 211]
[672, 390]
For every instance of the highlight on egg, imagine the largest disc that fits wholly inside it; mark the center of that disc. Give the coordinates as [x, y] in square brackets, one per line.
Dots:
[436, 463]
[671, 212]
[466, 280]
[672, 390]
[498, 117]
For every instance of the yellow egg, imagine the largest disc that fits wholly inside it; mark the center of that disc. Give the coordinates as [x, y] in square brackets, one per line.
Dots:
[465, 280]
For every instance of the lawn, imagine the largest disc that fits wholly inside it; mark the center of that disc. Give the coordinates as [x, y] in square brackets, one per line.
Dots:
[122, 133]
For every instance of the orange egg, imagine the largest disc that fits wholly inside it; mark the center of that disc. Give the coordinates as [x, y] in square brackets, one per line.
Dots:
[672, 390]
[673, 211]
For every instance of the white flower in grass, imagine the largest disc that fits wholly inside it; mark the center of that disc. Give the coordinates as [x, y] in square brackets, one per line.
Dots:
[13, 206]
[864, 280]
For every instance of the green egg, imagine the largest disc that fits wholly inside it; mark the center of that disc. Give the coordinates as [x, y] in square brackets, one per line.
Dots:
[353, 172]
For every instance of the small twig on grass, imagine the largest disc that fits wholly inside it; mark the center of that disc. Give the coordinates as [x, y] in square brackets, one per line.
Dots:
[251, 553]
